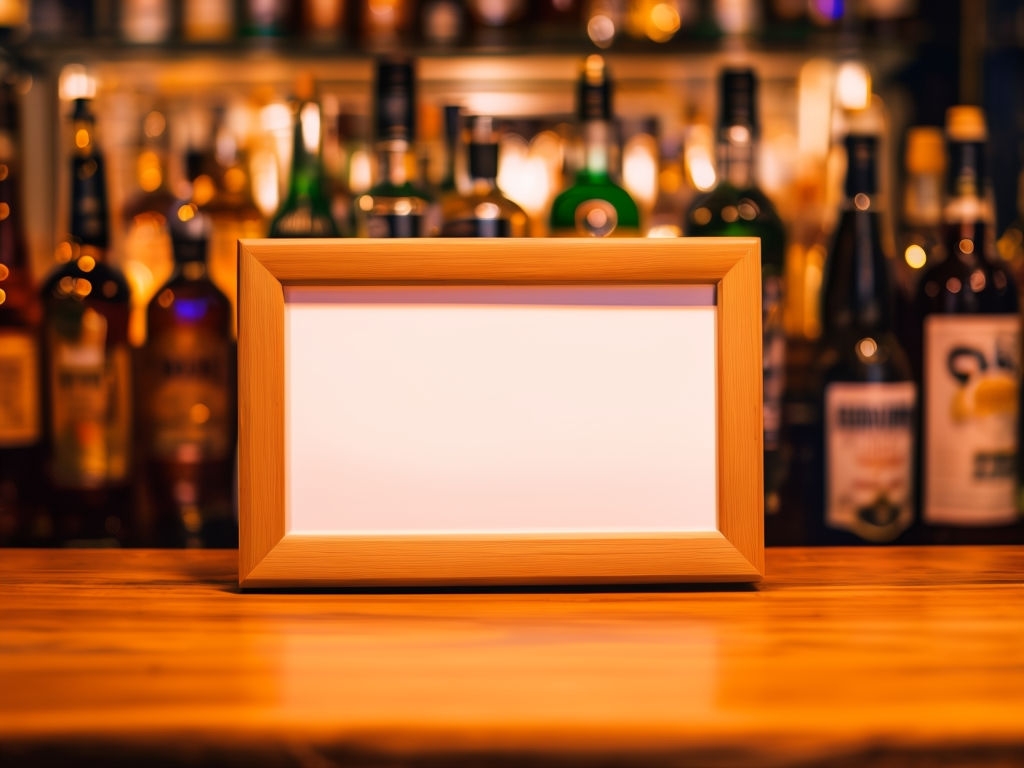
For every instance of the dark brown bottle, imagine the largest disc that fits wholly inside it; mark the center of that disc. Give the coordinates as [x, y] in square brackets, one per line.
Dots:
[868, 398]
[86, 307]
[967, 348]
[21, 423]
[187, 397]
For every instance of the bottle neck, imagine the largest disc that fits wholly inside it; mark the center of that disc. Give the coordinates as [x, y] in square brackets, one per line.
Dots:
[597, 143]
[13, 251]
[89, 220]
[394, 162]
[922, 199]
[306, 170]
[483, 166]
[737, 156]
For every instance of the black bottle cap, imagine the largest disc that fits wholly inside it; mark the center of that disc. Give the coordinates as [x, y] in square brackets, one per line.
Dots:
[482, 149]
[396, 101]
[83, 110]
[861, 164]
[594, 101]
[738, 98]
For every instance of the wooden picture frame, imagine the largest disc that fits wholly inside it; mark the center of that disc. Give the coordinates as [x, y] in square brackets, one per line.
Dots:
[331, 551]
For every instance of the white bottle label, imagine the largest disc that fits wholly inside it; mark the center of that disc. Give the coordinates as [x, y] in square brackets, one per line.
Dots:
[869, 449]
[19, 389]
[971, 365]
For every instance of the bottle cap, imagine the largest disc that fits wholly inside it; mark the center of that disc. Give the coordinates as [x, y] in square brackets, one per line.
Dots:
[926, 150]
[738, 98]
[595, 92]
[396, 101]
[966, 123]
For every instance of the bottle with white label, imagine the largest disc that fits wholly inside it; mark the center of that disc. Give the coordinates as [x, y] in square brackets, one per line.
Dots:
[967, 347]
[21, 422]
[868, 396]
[86, 307]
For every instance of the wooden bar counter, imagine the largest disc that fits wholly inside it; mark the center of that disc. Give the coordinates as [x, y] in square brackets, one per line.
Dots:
[840, 657]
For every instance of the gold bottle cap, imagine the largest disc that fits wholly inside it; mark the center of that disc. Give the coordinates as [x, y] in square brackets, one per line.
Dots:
[926, 150]
[966, 123]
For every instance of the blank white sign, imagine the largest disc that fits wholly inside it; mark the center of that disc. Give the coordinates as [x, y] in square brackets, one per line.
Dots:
[493, 409]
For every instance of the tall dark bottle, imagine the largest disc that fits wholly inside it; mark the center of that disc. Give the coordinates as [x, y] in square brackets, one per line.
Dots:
[21, 419]
[187, 397]
[967, 349]
[396, 205]
[86, 307]
[306, 209]
[737, 207]
[868, 396]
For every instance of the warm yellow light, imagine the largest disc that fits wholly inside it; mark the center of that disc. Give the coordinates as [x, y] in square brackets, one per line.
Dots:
[915, 256]
[5, 211]
[867, 348]
[87, 263]
[75, 82]
[640, 169]
[601, 30]
[148, 171]
[199, 413]
[186, 212]
[3, 295]
[82, 138]
[4, 272]
[166, 298]
[309, 120]
[663, 22]
[853, 85]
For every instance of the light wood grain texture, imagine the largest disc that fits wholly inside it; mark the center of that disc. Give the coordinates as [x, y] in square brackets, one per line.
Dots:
[839, 657]
[269, 555]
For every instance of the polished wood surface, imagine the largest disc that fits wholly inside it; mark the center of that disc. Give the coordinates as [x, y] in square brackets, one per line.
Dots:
[269, 556]
[907, 656]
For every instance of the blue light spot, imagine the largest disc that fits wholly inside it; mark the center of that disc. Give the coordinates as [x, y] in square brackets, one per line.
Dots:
[190, 309]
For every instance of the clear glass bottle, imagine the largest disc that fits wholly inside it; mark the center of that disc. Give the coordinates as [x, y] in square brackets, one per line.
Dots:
[868, 405]
[967, 350]
[187, 397]
[86, 308]
[396, 205]
[737, 207]
[594, 205]
[21, 418]
[484, 211]
[306, 208]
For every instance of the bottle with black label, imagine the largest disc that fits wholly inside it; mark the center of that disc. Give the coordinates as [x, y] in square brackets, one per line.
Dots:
[21, 418]
[396, 205]
[306, 209]
[86, 308]
[594, 204]
[968, 351]
[484, 211]
[738, 207]
[868, 396]
[187, 397]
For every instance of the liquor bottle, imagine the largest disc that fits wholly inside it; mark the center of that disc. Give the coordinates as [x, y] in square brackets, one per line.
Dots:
[267, 20]
[323, 21]
[867, 411]
[187, 397]
[967, 349]
[921, 225]
[208, 21]
[484, 211]
[217, 170]
[594, 205]
[21, 423]
[306, 209]
[147, 245]
[86, 307]
[737, 207]
[396, 205]
[146, 21]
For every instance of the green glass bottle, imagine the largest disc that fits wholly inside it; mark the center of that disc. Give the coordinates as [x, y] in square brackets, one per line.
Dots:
[737, 207]
[594, 205]
[867, 405]
[306, 209]
[396, 205]
[86, 308]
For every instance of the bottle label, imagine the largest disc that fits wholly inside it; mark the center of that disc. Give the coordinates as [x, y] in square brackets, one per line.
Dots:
[395, 225]
[302, 222]
[91, 410]
[188, 396]
[477, 228]
[773, 349]
[971, 365]
[19, 389]
[869, 448]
